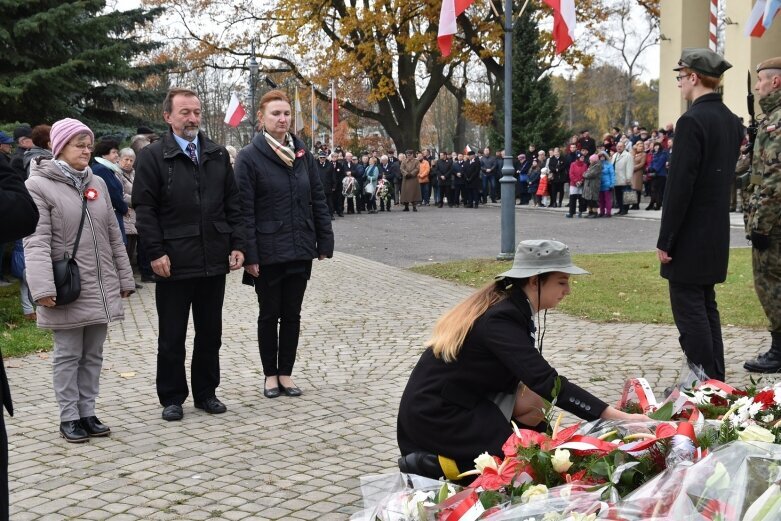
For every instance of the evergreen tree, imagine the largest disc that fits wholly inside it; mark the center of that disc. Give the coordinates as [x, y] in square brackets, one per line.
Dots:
[535, 108]
[67, 58]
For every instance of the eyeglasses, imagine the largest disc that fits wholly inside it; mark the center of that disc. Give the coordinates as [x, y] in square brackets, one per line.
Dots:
[81, 147]
[682, 76]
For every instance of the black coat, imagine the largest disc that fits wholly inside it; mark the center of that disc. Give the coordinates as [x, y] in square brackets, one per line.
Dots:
[458, 168]
[326, 172]
[192, 213]
[284, 209]
[445, 408]
[472, 174]
[443, 171]
[558, 170]
[695, 218]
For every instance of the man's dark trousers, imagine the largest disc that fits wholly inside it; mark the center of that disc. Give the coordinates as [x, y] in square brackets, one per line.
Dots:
[174, 299]
[697, 318]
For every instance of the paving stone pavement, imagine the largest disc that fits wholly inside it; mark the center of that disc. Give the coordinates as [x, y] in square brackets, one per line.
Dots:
[289, 458]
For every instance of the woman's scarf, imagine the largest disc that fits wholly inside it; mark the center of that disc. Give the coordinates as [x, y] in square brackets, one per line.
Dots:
[77, 177]
[284, 151]
[108, 164]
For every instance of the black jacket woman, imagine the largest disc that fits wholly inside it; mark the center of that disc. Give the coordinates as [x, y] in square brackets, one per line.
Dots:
[481, 369]
[289, 224]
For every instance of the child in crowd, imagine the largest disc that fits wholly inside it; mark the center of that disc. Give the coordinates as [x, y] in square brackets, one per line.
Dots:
[349, 189]
[607, 182]
[542, 189]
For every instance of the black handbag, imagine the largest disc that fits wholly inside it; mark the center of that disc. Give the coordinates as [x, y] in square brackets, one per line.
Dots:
[66, 271]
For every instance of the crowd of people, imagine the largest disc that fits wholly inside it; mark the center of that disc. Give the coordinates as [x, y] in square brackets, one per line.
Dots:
[590, 179]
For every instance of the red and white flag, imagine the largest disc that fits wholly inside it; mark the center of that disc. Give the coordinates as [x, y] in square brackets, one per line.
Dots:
[563, 23]
[451, 9]
[235, 112]
[754, 25]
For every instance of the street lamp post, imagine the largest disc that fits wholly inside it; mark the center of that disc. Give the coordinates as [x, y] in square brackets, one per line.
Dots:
[253, 73]
[508, 180]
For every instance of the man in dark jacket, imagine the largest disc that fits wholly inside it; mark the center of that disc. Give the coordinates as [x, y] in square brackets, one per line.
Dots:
[326, 170]
[559, 176]
[693, 245]
[443, 171]
[19, 216]
[488, 165]
[188, 213]
[337, 200]
[472, 177]
[24, 142]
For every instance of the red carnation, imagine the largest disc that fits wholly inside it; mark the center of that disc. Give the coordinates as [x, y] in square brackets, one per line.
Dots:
[766, 399]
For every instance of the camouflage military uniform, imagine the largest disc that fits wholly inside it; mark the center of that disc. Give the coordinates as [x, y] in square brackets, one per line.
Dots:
[764, 209]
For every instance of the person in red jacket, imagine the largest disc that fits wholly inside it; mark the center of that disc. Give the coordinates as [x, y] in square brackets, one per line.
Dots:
[576, 171]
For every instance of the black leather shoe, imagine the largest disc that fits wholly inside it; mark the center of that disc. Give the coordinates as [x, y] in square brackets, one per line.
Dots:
[290, 391]
[421, 463]
[211, 405]
[73, 432]
[94, 427]
[173, 413]
[769, 362]
[270, 392]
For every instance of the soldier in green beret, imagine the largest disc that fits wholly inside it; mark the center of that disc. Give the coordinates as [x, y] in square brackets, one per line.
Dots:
[763, 223]
[693, 245]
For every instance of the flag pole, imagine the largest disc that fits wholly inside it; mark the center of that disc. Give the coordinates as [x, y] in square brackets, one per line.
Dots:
[313, 117]
[333, 98]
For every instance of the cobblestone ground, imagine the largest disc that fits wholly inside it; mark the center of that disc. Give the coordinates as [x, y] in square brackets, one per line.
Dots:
[288, 458]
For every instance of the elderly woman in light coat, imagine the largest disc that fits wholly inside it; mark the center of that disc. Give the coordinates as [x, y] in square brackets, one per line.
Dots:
[126, 176]
[410, 187]
[59, 186]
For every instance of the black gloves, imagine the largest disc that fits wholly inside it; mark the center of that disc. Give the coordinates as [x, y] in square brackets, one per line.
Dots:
[759, 241]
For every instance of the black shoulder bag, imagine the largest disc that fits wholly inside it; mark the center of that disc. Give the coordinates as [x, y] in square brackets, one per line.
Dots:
[66, 271]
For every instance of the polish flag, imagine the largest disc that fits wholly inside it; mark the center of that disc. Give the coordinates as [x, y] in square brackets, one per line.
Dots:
[754, 25]
[235, 112]
[563, 23]
[771, 10]
[451, 9]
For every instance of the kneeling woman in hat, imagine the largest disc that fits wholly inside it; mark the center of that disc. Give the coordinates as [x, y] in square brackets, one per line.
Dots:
[481, 369]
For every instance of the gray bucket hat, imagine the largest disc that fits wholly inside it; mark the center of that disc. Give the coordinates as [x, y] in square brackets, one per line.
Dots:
[541, 256]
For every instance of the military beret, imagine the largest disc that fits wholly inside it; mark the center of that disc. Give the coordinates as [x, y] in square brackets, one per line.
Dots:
[703, 61]
[772, 63]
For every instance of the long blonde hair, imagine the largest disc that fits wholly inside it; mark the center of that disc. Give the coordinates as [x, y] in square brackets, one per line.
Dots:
[452, 327]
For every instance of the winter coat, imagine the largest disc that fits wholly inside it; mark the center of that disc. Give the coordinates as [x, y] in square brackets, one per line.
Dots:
[115, 191]
[423, 173]
[534, 180]
[576, 171]
[326, 171]
[608, 178]
[457, 178]
[192, 213]
[101, 256]
[542, 189]
[284, 210]
[592, 180]
[129, 219]
[558, 172]
[446, 407]
[659, 163]
[33, 153]
[410, 187]
[472, 174]
[19, 215]
[638, 170]
[623, 164]
[443, 171]
[695, 228]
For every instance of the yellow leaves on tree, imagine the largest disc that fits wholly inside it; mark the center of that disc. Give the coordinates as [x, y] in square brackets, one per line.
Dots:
[480, 113]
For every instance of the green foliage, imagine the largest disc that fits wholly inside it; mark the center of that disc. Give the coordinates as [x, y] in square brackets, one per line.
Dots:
[663, 413]
[535, 109]
[625, 287]
[61, 58]
[19, 336]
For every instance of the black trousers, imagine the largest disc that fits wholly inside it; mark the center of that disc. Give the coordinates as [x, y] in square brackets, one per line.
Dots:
[576, 200]
[456, 193]
[174, 298]
[280, 295]
[338, 202]
[697, 319]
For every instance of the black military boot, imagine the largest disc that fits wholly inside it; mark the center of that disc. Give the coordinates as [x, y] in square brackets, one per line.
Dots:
[769, 362]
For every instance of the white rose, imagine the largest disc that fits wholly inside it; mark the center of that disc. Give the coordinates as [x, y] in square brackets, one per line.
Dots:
[484, 461]
[534, 493]
[756, 433]
[560, 461]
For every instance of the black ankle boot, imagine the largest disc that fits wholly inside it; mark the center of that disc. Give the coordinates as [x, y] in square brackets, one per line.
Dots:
[769, 362]
[95, 427]
[73, 432]
[421, 463]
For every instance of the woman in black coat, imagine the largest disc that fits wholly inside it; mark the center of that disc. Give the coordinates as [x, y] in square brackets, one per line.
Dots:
[285, 211]
[482, 369]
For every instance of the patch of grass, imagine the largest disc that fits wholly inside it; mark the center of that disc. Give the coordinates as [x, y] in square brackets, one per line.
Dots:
[625, 287]
[19, 336]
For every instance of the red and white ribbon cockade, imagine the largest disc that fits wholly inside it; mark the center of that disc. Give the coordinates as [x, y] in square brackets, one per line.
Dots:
[90, 194]
[464, 506]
